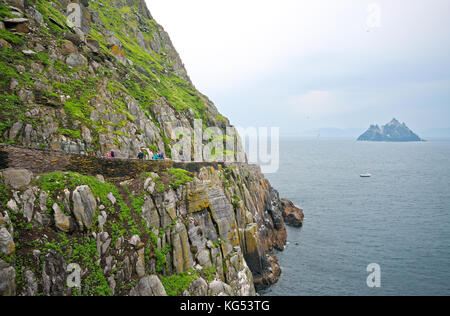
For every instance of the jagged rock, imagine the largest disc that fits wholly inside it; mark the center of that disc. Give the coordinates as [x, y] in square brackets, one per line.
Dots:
[219, 288]
[15, 20]
[140, 263]
[76, 61]
[228, 218]
[35, 14]
[31, 288]
[29, 197]
[43, 196]
[17, 178]
[63, 222]
[83, 23]
[5, 222]
[182, 257]
[4, 43]
[7, 245]
[12, 205]
[14, 84]
[105, 246]
[112, 198]
[292, 215]
[100, 178]
[198, 288]
[112, 284]
[7, 279]
[149, 286]
[29, 52]
[102, 219]
[84, 206]
[15, 130]
[54, 274]
[93, 45]
[68, 48]
[150, 213]
[86, 134]
[135, 240]
[74, 38]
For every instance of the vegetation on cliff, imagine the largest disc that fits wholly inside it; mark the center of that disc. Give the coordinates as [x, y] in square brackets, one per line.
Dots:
[114, 83]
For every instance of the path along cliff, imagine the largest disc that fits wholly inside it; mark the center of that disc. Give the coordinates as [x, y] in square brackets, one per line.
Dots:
[80, 79]
[163, 231]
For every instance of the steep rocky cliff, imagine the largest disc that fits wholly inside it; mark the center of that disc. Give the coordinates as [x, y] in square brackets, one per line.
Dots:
[171, 231]
[115, 83]
[79, 79]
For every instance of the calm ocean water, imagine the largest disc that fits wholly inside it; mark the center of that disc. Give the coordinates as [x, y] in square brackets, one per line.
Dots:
[399, 218]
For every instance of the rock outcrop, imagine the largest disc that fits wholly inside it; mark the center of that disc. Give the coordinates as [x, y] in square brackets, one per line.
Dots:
[213, 229]
[391, 132]
[93, 77]
[292, 214]
[80, 79]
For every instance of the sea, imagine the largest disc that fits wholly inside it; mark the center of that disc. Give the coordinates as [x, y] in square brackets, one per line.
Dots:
[397, 221]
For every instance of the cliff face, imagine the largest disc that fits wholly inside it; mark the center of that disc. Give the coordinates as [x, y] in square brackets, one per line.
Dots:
[165, 232]
[80, 79]
[109, 81]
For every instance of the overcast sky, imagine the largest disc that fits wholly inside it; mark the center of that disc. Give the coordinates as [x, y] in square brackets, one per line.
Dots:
[309, 64]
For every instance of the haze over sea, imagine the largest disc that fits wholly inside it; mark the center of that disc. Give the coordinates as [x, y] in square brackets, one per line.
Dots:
[399, 218]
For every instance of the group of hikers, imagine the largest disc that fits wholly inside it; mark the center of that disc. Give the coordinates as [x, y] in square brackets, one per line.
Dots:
[155, 157]
[140, 156]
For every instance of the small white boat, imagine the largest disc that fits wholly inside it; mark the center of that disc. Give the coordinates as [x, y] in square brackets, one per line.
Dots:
[365, 175]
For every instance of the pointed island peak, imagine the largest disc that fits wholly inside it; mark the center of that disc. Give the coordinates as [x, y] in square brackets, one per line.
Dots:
[393, 131]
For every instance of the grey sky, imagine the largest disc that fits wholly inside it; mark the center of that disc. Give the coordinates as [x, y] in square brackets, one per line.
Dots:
[312, 64]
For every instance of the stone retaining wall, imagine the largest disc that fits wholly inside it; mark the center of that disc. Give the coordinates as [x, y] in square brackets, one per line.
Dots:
[41, 161]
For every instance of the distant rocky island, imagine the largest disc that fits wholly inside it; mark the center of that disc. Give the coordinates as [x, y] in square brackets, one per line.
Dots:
[391, 132]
